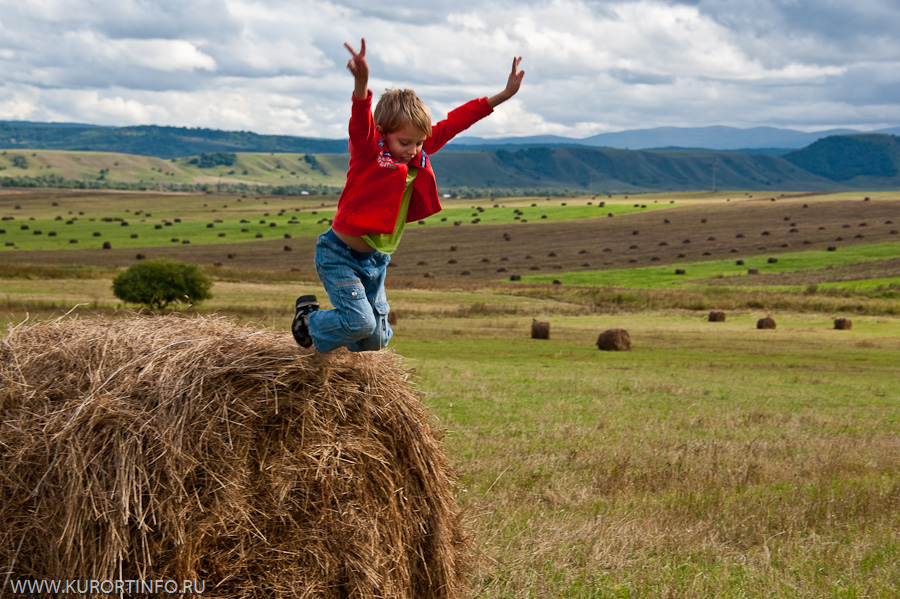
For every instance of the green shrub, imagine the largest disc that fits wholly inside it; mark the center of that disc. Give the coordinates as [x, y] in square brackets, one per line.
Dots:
[214, 159]
[159, 282]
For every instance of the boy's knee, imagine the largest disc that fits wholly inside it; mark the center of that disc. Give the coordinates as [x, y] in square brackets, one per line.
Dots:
[362, 325]
[378, 339]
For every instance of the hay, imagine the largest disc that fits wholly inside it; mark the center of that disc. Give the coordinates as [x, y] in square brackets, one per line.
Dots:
[195, 449]
[765, 323]
[614, 340]
[540, 329]
[716, 316]
[843, 324]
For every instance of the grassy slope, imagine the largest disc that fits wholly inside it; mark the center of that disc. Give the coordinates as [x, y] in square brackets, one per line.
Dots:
[537, 168]
[263, 168]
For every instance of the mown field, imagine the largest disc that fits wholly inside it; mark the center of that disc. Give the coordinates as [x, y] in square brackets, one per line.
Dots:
[713, 460]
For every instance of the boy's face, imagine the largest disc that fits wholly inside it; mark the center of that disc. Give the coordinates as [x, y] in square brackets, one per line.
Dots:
[404, 143]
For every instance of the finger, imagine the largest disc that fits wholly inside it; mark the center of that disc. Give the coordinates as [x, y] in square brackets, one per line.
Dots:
[362, 49]
[515, 64]
[352, 51]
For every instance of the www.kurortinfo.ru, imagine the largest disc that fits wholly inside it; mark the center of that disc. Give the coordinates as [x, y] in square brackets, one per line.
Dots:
[86, 587]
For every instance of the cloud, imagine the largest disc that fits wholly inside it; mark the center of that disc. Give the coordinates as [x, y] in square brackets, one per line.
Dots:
[278, 66]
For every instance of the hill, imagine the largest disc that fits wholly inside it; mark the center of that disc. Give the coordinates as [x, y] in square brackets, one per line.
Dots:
[711, 138]
[607, 170]
[174, 142]
[863, 159]
[843, 162]
[151, 140]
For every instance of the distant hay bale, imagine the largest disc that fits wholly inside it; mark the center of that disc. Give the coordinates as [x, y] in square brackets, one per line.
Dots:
[173, 448]
[392, 318]
[540, 330]
[765, 323]
[843, 324]
[716, 316]
[614, 340]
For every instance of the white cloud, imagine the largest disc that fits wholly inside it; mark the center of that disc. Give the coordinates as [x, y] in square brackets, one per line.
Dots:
[158, 54]
[17, 105]
[277, 66]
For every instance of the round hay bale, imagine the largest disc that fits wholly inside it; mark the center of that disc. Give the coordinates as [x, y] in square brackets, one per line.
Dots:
[392, 318]
[172, 448]
[843, 324]
[765, 323]
[716, 316]
[540, 330]
[614, 340]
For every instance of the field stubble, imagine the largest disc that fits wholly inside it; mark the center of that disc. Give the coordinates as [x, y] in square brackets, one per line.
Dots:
[709, 462]
[714, 460]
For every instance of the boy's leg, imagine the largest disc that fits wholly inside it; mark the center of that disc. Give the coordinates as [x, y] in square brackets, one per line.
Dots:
[375, 269]
[352, 319]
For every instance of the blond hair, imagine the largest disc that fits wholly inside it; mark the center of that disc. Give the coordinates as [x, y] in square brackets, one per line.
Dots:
[397, 108]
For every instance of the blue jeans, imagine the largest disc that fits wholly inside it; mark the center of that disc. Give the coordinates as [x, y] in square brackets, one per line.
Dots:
[355, 285]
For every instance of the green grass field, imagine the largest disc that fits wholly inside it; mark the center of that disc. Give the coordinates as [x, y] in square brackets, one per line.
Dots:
[713, 460]
[126, 220]
[698, 273]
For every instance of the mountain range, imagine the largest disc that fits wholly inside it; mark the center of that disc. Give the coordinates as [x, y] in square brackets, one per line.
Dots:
[174, 142]
[773, 139]
[672, 160]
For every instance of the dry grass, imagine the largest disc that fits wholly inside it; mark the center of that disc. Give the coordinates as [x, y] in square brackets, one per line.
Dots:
[195, 449]
[713, 460]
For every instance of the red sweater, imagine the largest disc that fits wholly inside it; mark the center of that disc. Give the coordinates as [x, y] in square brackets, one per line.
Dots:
[370, 201]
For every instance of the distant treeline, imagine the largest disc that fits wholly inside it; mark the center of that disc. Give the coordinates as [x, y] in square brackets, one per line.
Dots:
[152, 140]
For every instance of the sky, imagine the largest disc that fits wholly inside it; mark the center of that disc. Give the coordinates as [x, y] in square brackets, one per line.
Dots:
[279, 66]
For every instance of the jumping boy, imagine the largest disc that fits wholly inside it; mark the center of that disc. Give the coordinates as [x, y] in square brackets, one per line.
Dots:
[389, 183]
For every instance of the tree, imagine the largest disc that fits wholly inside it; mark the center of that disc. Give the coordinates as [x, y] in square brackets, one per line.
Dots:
[159, 282]
[214, 159]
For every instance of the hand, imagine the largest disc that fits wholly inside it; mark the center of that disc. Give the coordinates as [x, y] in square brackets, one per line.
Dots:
[358, 65]
[512, 84]
[515, 78]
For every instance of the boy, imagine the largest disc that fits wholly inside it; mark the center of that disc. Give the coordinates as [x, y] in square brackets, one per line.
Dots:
[389, 183]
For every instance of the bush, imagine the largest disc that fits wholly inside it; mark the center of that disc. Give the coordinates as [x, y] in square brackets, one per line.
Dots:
[159, 282]
[213, 159]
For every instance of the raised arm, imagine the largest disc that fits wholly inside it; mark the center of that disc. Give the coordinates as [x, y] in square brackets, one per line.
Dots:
[512, 85]
[359, 66]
